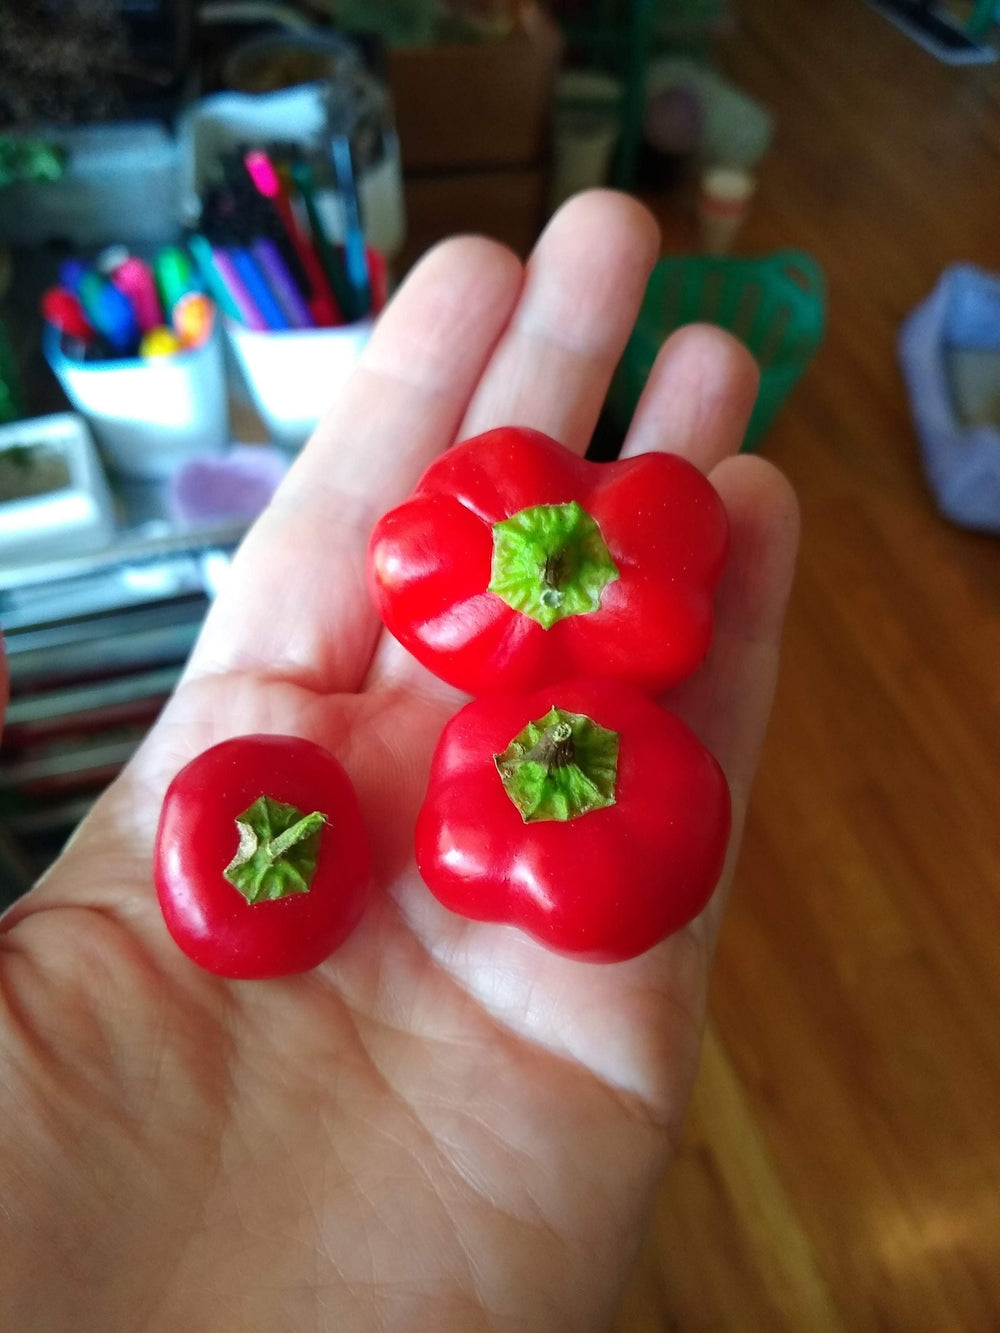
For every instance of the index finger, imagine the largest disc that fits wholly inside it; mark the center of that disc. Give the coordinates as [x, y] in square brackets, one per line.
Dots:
[295, 606]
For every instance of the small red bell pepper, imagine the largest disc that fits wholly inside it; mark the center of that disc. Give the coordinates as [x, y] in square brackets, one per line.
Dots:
[261, 862]
[515, 563]
[584, 814]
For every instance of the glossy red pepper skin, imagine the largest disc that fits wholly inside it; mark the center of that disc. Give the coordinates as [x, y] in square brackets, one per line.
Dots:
[605, 886]
[662, 521]
[197, 838]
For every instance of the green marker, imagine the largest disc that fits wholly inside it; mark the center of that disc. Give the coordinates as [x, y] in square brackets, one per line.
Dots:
[332, 267]
[201, 248]
[174, 276]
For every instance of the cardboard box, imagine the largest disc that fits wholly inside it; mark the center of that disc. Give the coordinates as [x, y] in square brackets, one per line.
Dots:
[507, 205]
[483, 104]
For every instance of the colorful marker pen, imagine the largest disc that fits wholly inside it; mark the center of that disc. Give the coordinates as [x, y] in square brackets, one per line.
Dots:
[224, 297]
[136, 280]
[355, 260]
[332, 267]
[275, 271]
[63, 310]
[110, 311]
[253, 280]
[174, 275]
[322, 302]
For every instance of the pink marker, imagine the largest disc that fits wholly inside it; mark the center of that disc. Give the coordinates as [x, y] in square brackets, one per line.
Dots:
[135, 280]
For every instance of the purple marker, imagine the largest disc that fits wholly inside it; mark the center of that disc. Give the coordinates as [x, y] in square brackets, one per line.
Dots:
[242, 300]
[275, 270]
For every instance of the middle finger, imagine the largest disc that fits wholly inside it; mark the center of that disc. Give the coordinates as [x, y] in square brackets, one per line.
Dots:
[583, 287]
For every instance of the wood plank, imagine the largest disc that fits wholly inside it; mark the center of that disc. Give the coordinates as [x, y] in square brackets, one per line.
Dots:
[841, 1165]
[753, 1248]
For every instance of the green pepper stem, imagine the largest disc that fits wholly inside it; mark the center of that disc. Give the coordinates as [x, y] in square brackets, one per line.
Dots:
[297, 833]
[558, 569]
[554, 748]
[549, 562]
[560, 767]
[277, 851]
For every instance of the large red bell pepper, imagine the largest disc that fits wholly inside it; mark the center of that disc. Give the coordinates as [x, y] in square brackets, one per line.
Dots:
[584, 814]
[515, 563]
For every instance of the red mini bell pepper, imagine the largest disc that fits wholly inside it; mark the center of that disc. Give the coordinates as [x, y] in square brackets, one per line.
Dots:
[584, 814]
[515, 563]
[261, 863]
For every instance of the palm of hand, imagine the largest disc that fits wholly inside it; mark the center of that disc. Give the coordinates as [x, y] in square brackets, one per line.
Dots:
[444, 1125]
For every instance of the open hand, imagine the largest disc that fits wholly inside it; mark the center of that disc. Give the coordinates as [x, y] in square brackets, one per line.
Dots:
[444, 1126]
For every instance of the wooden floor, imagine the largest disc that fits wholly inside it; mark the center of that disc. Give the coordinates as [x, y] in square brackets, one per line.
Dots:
[841, 1166]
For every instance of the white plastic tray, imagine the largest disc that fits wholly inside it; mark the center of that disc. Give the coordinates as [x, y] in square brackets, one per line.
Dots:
[77, 517]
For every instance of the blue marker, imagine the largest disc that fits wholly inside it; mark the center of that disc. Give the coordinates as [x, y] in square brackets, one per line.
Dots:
[71, 272]
[109, 310]
[355, 259]
[257, 288]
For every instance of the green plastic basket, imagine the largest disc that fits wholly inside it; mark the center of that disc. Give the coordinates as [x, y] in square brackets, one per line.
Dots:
[776, 305]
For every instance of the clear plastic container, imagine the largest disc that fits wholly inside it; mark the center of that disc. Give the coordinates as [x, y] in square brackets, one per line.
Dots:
[218, 124]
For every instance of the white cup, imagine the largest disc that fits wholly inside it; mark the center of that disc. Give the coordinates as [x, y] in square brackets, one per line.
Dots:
[150, 415]
[293, 375]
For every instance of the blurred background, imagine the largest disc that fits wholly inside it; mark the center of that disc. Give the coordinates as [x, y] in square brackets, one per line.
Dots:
[203, 207]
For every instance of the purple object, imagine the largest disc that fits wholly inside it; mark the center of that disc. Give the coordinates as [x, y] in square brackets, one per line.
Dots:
[239, 485]
[256, 285]
[242, 299]
[674, 120]
[275, 270]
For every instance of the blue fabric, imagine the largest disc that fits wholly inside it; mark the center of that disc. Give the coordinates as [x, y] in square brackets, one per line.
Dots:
[972, 310]
[962, 464]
